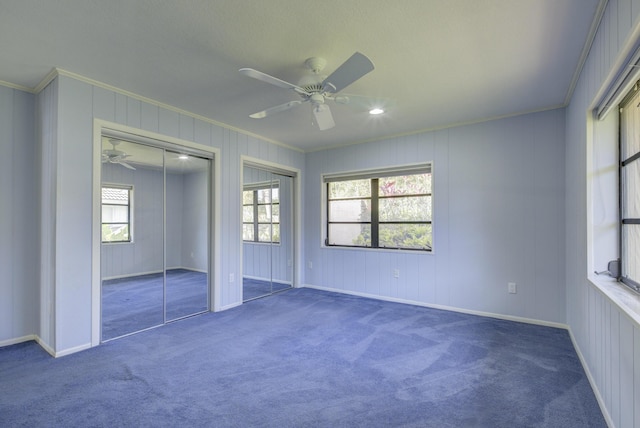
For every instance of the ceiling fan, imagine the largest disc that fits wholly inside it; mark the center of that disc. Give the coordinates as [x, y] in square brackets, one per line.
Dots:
[316, 88]
[114, 155]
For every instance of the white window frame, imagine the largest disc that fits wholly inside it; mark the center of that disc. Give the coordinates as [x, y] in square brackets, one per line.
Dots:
[275, 184]
[131, 210]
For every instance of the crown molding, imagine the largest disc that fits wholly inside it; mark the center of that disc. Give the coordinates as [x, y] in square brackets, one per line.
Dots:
[56, 72]
[18, 87]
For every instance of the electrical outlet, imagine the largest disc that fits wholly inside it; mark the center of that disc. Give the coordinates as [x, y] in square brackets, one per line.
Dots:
[232, 277]
[310, 264]
[396, 273]
[512, 287]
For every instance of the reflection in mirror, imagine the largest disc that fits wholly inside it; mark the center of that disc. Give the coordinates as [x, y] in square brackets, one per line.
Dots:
[187, 252]
[267, 212]
[132, 260]
[155, 236]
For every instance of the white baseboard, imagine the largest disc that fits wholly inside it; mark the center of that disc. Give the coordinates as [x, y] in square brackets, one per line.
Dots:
[442, 307]
[73, 350]
[16, 340]
[133, 275]
[592, 382]
[45, 346]
[259, 278]
[231, 306]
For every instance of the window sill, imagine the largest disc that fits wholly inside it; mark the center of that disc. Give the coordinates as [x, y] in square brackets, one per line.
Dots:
[383, 250]
[619, 294]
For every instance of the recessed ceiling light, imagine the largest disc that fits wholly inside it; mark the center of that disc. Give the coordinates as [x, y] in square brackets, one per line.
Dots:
[376, 111]
[183, 157]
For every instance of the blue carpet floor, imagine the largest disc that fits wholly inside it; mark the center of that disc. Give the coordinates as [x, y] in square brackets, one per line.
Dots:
[135, 303]
[307, 358]
[254, 288]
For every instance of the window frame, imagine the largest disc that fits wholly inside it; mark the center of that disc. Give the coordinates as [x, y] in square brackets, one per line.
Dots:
[375, 175]
[130, 211]
[255, 187]
[624, 160]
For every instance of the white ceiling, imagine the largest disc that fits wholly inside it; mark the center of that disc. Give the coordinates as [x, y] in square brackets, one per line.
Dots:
[437, 63]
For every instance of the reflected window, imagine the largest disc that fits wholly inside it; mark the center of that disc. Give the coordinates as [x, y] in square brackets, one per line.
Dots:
[261, 213]
[116, 213]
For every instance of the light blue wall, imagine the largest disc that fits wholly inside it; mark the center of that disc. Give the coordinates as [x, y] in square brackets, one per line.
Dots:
[194, 221]
[19, 219]
[607, 338]
[498, 218]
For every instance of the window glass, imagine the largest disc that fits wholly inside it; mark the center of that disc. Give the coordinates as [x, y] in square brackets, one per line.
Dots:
[630, 190]
[389, 211]
[261, 213]
[116, 214]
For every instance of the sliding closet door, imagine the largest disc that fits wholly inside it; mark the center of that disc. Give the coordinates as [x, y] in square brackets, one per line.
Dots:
[132, 253]
[282, 249]
[267, 232]
[187, 229]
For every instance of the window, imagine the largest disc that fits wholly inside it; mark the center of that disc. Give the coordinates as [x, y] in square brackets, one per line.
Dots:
[630, 190]
[116, 214]
[261, 213]
[380, 209]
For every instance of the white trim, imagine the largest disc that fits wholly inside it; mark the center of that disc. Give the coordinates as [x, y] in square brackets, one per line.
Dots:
[132, 275]
[17, 87]
[73, 350]
[230, 306]
[152, 272]
[442, 307]
[277, 281]
[45, 346]
[592, 381]
[16, 340]
[591, 35]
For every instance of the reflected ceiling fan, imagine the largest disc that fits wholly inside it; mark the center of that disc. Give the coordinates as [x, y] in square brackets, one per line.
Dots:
[316, 88]
[114, 155]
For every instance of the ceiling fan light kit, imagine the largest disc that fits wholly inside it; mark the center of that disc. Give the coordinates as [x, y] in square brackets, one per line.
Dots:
[114, 155]
[316, 89]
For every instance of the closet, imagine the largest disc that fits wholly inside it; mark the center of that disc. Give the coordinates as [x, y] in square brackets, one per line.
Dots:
[155, 220]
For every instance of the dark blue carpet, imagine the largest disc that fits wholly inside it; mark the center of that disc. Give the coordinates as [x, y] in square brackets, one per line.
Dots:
[307, 358]
[135, 303]
[254, 288]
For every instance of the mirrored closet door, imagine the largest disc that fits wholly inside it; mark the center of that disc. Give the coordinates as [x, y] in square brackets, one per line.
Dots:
[155, 236]
[267, 234]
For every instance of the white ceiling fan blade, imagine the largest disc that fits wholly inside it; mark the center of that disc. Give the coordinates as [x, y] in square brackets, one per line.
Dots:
[126, 165]
[323, 115]
[250, 72]
[276, 109]
[351, 70]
